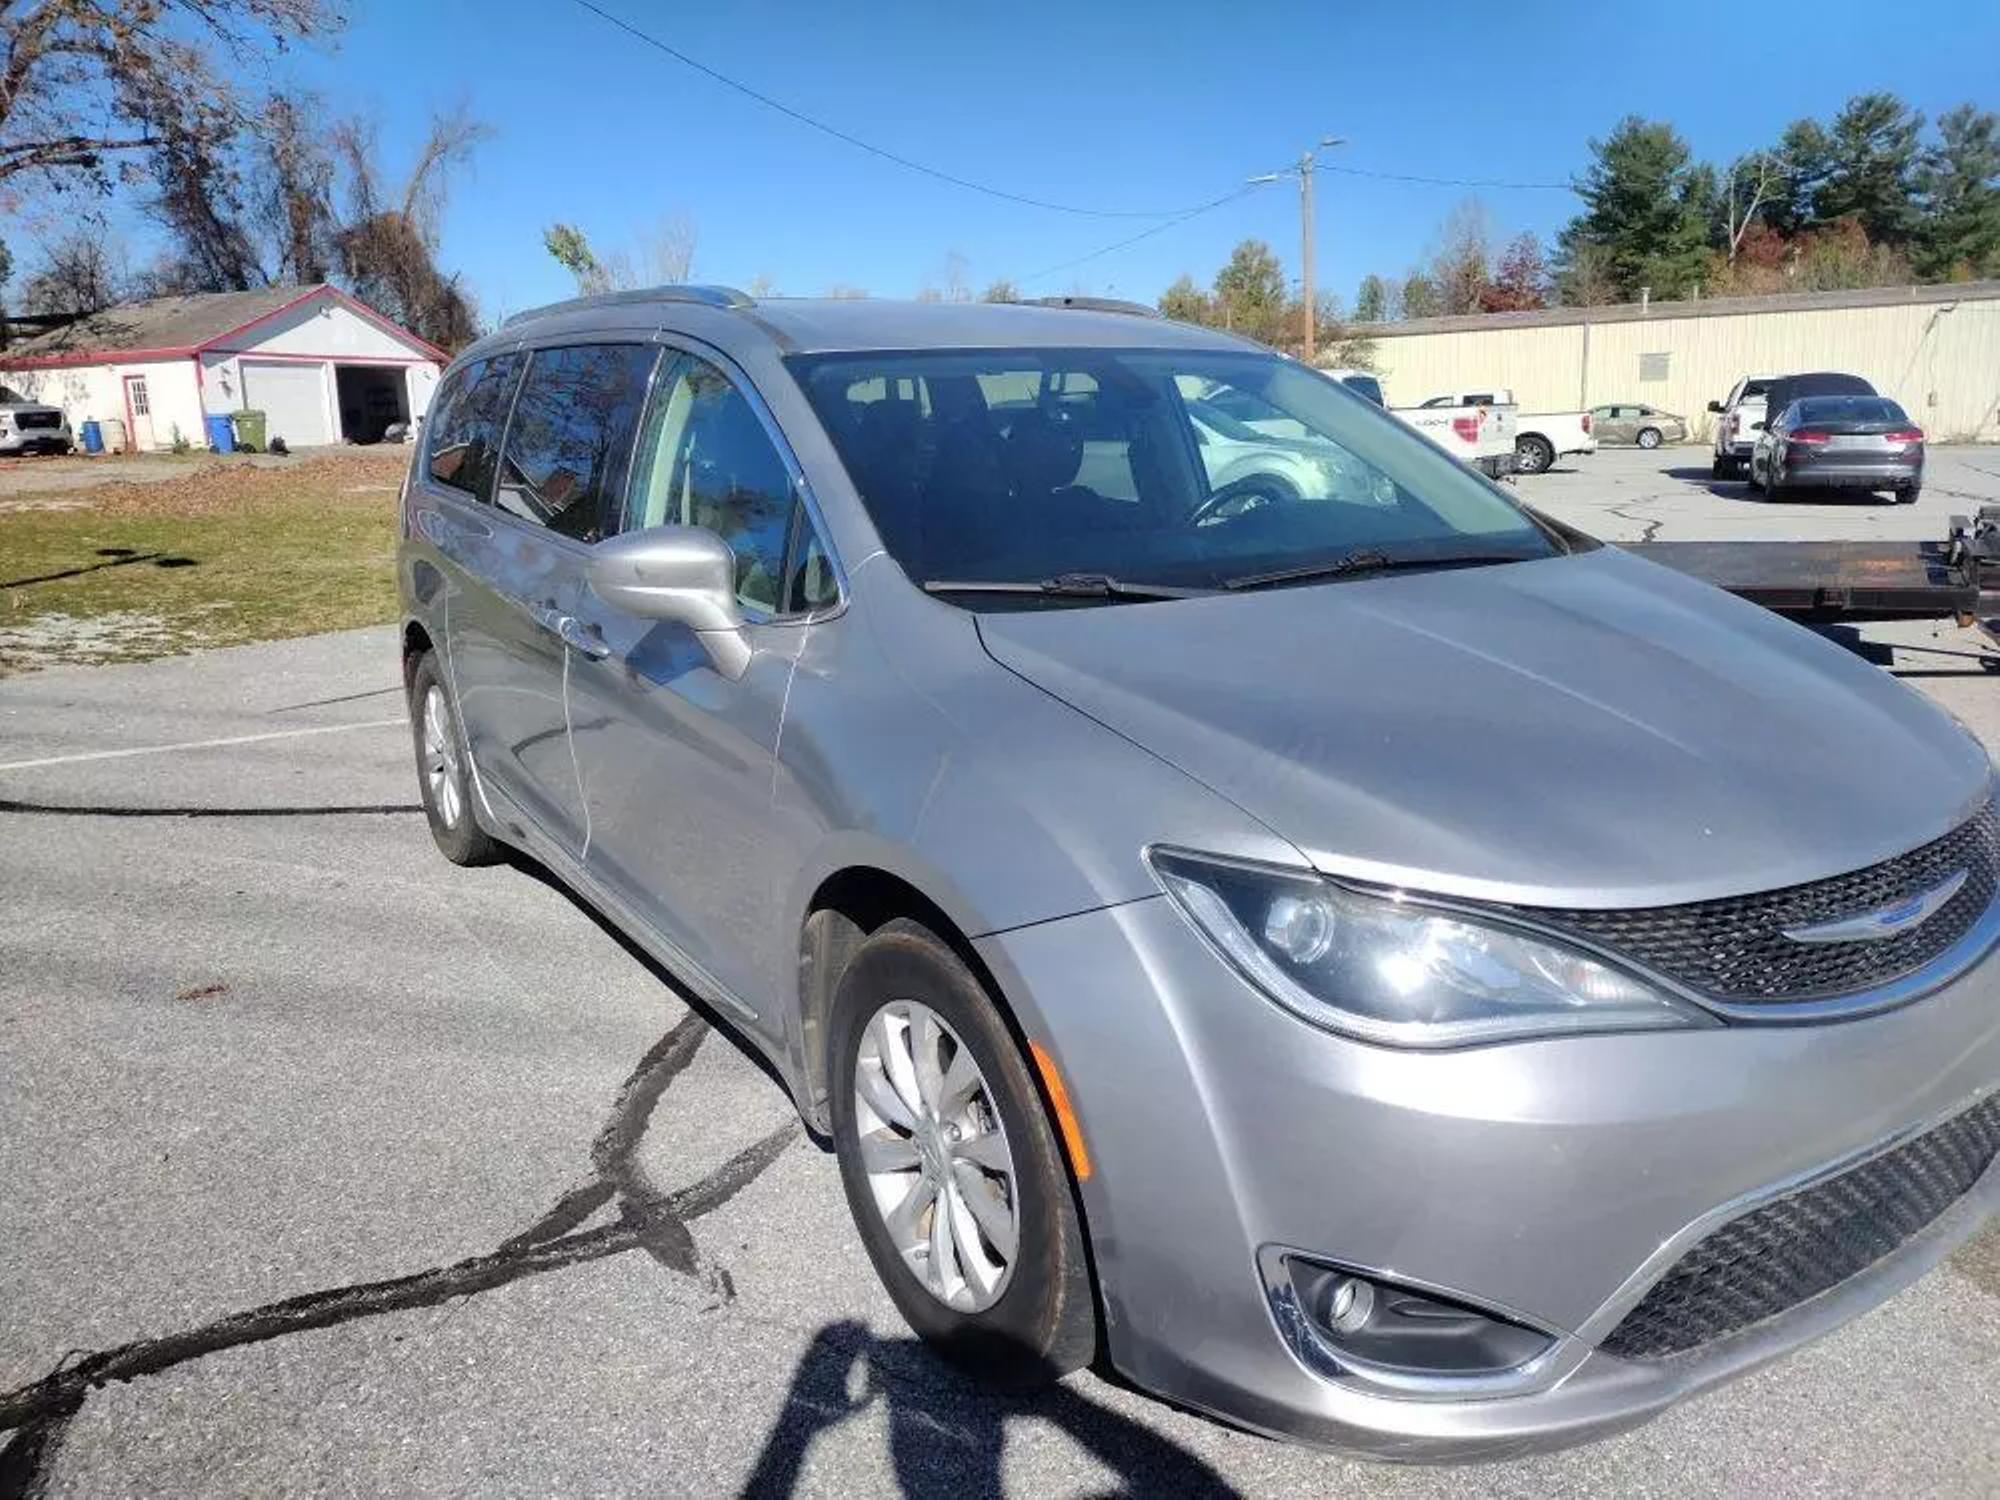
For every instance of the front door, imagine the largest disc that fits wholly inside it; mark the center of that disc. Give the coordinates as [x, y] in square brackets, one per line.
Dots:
[677, 758]
[569, 433]
[138, 414]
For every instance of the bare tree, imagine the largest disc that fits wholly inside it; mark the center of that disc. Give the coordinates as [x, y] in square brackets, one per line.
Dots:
[955, 288]
[1762, 174]
[388, 246]
[666, 251]
[294, 200]
[1002, 290]
[89, 86]
[840, 290]
[763, 284]
[79, 273]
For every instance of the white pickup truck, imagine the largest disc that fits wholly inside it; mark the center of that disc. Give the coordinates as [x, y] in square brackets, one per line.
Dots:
[1541, 437]
[1739, 418]
[1477, 426]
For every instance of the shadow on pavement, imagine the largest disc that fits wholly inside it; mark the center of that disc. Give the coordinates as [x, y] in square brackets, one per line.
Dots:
[947, 1435]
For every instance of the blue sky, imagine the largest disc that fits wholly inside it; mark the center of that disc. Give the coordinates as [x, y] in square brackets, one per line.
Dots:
[1118, 104]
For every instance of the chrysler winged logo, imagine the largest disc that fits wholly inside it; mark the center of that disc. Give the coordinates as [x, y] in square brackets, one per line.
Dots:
[1884, 921]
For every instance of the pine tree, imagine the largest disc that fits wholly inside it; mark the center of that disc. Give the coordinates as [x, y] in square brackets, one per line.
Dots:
[1959, 180]
[1646, 208]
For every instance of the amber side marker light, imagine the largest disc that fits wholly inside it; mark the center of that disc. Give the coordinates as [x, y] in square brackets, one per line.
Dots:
[1072, 1133]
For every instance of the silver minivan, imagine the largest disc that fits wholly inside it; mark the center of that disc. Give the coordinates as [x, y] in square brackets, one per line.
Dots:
[1358, 957]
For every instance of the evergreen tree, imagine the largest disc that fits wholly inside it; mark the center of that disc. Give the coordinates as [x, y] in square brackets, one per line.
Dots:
[1646, 208]
[1871, 168]
[1371, 300]
[1959, 180]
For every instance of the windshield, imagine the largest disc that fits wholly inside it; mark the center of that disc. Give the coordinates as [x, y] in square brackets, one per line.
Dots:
[1184, 469]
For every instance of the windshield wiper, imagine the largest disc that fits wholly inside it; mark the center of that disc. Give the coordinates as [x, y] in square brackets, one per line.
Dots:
[1063, 586]
[1367, 560]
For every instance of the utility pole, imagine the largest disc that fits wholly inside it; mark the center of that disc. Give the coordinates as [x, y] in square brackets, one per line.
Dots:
[1304, 172]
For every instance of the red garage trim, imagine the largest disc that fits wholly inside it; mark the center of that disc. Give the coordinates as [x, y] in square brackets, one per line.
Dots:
[354, 304]
[320, 359]
[181, 351]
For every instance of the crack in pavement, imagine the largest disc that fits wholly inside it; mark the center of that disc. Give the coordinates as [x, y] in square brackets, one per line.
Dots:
[1651, 523]
[650, 1219]
[69, 810]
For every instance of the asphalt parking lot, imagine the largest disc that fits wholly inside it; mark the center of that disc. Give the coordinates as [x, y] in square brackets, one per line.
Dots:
[328, 1167]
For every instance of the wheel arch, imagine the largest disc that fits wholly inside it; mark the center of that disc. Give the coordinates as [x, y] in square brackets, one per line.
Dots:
[845, 907]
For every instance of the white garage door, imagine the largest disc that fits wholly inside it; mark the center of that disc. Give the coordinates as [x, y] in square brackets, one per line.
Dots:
[292, 398]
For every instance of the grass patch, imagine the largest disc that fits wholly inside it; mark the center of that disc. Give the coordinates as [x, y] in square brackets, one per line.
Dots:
[216, 557]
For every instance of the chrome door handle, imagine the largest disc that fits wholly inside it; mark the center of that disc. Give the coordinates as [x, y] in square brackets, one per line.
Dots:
[548, 617]
[581, 638]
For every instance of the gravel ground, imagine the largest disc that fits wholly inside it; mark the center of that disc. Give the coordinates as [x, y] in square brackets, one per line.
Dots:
[319, 1154]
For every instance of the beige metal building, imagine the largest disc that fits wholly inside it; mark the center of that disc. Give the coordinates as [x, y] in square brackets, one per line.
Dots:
[1936, 349]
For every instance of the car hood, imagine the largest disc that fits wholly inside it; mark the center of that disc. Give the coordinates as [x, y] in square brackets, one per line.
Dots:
[1588, 730]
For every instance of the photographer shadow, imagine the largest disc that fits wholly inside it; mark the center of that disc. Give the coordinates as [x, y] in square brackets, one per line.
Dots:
[946, 1435]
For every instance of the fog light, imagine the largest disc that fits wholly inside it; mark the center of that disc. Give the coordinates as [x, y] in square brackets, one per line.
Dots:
[1369, 1324]
[1349, 1304]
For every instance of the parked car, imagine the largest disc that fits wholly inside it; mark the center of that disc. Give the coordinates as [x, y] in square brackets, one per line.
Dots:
[1634, 422]
[1541, 437]
[1741, 418]
[1476, 427]
[1844, 442]
[1238, 918]
[30, 427]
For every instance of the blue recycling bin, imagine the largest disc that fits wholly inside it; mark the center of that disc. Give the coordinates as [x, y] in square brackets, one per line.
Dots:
[93, 437]
[221, 432]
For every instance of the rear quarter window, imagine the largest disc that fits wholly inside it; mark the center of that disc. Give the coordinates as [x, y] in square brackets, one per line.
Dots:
[463, 448]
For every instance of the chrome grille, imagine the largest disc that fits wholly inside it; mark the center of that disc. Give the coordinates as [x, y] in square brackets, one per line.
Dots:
[1735, 948]
[1807, 1242]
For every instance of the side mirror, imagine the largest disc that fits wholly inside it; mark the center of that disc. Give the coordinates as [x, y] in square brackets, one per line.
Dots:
[1716, 406]
[684, 573]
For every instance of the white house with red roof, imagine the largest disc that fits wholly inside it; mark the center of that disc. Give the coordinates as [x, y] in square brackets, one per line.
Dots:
[322, 366]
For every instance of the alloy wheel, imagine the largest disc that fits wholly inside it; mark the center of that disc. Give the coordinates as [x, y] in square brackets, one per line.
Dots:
[441, 759]
[936, 1154]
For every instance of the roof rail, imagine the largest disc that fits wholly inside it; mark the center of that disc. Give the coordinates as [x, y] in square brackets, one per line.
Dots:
[708, 296]
[1096, 304]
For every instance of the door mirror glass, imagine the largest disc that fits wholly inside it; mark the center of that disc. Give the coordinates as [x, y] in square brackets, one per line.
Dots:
[683, 573]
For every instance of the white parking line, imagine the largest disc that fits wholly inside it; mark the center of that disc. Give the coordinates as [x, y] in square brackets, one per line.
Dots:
[238, 739]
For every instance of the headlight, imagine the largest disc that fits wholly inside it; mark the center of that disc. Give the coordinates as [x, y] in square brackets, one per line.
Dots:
[1395, 972]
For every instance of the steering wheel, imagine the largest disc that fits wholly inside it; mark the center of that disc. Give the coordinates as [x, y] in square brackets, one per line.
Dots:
[1241, 497]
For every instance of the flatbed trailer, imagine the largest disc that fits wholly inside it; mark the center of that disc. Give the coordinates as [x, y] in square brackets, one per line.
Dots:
[1821, 583]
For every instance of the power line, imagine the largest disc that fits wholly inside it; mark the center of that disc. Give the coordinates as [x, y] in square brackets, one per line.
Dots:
[1485, 182]
[1145, 234]
[801, 117]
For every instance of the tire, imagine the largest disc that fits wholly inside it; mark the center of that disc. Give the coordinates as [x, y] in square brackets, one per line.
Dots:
[1907, 494]
[1721, 468]
[1037, 1321]
[442, 780]
[1750, 475]
[1649, 437]
[1533, 455]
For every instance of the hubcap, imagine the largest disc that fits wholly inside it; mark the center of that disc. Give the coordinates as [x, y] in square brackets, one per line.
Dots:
[936, 1155]
[441, 759]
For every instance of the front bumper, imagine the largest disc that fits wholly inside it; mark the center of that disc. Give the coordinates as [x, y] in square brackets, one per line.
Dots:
[1554, 1180]
[38, 440]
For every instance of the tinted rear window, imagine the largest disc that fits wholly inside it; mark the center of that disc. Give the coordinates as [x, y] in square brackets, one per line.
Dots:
[1850, 409]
